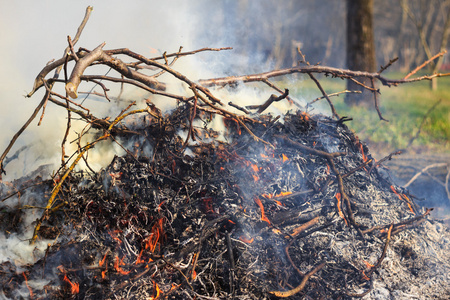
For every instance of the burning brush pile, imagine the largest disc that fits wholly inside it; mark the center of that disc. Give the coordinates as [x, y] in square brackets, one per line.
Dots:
[307, 215]
[272, 207]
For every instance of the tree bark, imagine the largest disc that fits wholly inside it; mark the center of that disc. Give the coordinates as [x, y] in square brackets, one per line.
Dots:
[360, 47]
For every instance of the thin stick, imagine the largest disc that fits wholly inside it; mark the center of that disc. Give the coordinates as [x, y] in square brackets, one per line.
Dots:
[333, 110]
[437, 165]
[302, 284]
[424, 64]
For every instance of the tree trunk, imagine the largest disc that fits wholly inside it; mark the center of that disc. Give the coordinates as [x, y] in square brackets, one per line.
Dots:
[360, 47]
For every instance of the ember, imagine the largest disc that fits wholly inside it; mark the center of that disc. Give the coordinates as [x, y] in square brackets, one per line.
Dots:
[286, 206]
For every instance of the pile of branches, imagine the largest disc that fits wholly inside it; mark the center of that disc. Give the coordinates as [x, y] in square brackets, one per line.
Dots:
[135, 73]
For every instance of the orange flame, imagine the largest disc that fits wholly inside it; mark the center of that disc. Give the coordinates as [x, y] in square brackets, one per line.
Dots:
[364, 157]
[246, 239]
[281, 194]
[117, 265]
[139, 259]
[368, 265]
[158, 291]
[403, 197]
[305, 116]
[263, 214]
[75, 287]
[101, 263]
[341, 214]
[284, 157]
[156, 234]
[365, 276]
[113, 234]
[255, 168]
[29, 288]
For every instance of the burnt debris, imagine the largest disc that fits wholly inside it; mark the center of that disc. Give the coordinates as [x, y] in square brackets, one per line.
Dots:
[303, 216]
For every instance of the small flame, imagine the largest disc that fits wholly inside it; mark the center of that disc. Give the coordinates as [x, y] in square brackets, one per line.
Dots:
[404, 198]
[364, 157]
[246, 239]
[156, 234]
[341, 214]
[305, 116]
[75, 287]
[263, 214]
[117, 266]
[281, 194]
[284, 157]
[365, 276]
[113, 234]
[139, 259]
[368, 265]
[158, 291]
[101, 263]
[29, 288]
[255, 178]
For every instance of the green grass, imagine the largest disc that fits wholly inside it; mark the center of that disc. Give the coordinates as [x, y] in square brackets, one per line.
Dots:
[404, 106]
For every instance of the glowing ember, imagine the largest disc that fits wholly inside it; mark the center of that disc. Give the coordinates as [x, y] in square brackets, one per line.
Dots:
[368, 265]
[156, 234]
[263, 214]
[158, 291]
[284, 157]
[101, 263]
[246, 239]
[281, 194]
[341, 214]
[364, 157]
[113, 234]
[29, 288]
[404, 198]
[75, 287]
[364, 276]
[117, 266]
[139, 259]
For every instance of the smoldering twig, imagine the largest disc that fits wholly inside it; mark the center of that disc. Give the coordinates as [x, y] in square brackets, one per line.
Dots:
[388, 157]
[301, 286]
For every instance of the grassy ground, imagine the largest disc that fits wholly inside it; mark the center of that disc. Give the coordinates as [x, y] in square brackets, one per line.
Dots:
[404, 106]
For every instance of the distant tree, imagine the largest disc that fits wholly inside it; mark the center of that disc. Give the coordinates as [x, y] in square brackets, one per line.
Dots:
[431, 18]
[360, 47]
